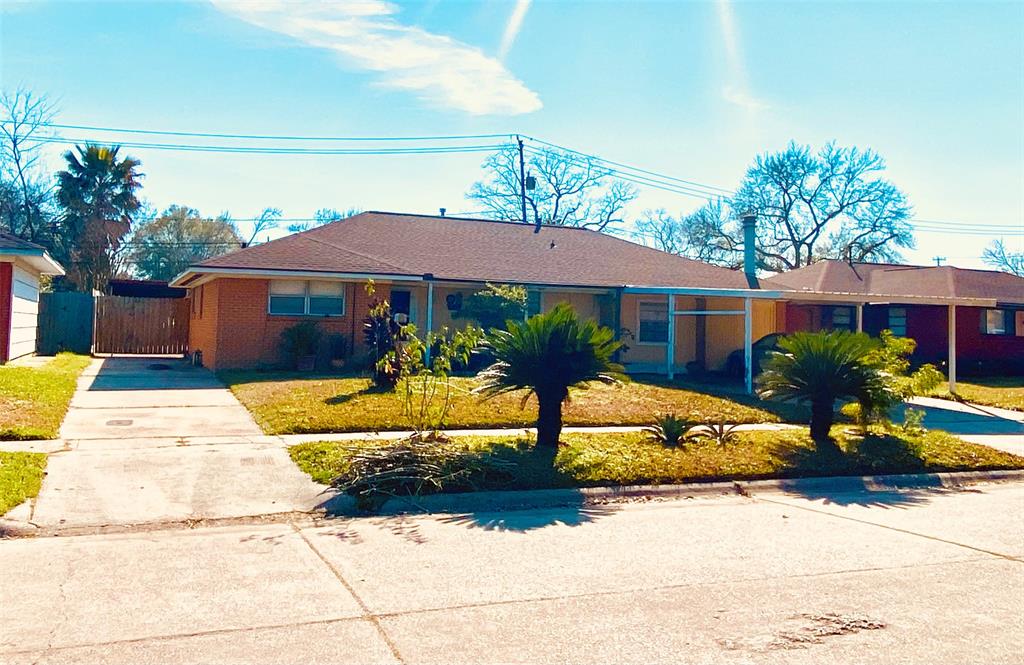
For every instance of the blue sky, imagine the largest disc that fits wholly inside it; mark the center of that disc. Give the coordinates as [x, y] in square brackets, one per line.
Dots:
[691, 89]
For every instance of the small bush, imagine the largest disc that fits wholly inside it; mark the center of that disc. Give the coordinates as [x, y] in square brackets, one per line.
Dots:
[669, 429]
[300, 340]
[720, 433]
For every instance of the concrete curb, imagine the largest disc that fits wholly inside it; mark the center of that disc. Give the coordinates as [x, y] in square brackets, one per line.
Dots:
[469, 502]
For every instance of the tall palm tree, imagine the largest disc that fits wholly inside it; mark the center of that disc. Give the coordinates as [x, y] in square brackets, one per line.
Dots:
[546, 355]
[97, 193]
[820, 368]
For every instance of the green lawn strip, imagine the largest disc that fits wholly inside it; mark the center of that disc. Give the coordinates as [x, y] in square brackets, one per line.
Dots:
[1005, 392]
[33, 400]
[627, 459]
[21, 476]
[284, 403]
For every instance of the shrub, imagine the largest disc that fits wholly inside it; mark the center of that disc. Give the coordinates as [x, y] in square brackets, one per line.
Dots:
[381, 333]
[719, 432]
[669, 429]
[546, 355]
[494, 305]
[300, 341]
[820, 368]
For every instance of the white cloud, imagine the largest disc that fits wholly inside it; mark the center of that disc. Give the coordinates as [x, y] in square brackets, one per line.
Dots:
[366, 35]
[515, 23]
[736, 92]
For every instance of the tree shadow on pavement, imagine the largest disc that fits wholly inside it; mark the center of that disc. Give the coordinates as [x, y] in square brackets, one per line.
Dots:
[522, 521]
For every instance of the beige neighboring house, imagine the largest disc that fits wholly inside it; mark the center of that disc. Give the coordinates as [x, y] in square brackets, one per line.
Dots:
[21, 265]
[671, 312]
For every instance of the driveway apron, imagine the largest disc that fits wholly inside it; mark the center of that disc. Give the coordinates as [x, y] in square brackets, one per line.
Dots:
[153, 439]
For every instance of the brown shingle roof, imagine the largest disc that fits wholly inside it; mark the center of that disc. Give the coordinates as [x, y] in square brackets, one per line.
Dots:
[453, 248]
[9, 242]
[887, 279]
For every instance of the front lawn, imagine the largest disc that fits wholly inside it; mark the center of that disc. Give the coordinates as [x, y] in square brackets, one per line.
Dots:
[33, 400]
[21, 476]
[1006, 392]
[286, 403]
[627, 459]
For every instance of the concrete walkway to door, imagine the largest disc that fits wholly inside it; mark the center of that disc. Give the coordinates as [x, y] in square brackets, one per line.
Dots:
[152, 439]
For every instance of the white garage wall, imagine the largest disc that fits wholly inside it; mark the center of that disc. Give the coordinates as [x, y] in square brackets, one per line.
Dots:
[24, 312]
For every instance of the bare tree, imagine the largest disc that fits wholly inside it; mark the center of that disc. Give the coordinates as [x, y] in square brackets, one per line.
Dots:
[323, 216]
[1000, 258]
[707, 234]
[26, 194]
[829, 204]
[570, 190]
[268, 220]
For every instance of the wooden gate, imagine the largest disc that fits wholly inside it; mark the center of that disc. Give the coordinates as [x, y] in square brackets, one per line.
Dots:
[141, 325]
[65, 323]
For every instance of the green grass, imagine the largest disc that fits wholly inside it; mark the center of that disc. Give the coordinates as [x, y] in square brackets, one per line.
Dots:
[626, 459]
[33, 400]
[286, 403]
[21, 476]
[1006, 392]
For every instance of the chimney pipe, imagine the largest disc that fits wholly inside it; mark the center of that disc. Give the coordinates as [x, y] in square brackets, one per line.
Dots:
[749, 218]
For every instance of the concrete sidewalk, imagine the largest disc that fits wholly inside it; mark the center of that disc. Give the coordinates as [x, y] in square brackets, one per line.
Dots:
[883, 577]
[987, 425]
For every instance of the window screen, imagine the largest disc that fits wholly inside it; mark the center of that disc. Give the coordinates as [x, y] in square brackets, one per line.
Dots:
[289, 297]
[898, 321]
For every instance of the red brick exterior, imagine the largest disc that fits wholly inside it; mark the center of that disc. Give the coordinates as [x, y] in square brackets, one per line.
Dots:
[6, 277]
[928, 326]
[230, 325]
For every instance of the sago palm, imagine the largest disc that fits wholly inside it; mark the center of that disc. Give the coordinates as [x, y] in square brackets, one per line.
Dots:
[820, 368]
[546, 355]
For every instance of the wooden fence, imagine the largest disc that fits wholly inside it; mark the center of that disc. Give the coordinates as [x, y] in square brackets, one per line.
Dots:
[65, 323]
[141, 325]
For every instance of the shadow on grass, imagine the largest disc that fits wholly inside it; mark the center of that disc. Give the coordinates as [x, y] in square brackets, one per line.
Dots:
[839, 472]
[347, 397]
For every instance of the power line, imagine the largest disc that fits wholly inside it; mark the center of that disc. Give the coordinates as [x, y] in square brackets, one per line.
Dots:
[267, 137]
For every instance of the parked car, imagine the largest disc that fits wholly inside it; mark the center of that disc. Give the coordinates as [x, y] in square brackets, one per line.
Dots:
[760, 349]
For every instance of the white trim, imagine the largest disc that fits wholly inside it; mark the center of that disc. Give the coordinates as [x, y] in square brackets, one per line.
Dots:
[951, 338]
[880, 299]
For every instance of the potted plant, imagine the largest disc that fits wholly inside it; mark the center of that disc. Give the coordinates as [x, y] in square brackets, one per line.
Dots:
[300, 344]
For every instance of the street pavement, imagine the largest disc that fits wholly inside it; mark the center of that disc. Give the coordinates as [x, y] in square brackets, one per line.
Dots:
[915, 576]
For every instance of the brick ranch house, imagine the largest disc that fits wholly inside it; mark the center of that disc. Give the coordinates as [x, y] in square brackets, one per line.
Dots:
[241, 302]
[970, 318]
[21, 265]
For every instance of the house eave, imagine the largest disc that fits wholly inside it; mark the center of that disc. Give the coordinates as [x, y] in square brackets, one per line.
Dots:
[200, 275]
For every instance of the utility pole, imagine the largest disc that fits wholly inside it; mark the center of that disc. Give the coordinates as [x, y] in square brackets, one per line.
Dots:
[522, 177]
[938, 260]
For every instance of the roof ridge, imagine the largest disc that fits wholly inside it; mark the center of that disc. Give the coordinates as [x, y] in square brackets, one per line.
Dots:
[477, 219]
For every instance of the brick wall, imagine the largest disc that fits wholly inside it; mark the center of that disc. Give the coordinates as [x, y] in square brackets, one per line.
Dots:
[6, 275]
[235, 330]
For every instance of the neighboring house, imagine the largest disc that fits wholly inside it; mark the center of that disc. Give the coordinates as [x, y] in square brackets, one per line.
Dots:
[919, 302]
[424, 265]
[143, 288]
[21, 264]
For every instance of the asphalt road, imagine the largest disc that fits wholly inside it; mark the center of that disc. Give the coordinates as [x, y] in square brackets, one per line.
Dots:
[922, 576]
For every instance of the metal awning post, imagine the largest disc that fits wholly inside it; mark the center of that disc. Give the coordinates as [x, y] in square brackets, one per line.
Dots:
[670, 347]
[430, 317]
[952, 348]
[860, 317]
[748, 350]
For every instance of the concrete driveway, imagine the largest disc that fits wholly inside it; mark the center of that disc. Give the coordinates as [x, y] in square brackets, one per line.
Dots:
[921, 576]
[990, 426]
[153, 440]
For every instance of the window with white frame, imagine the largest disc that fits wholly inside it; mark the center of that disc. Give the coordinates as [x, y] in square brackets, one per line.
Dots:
[296, 297]
[897, 323]
[653, 322]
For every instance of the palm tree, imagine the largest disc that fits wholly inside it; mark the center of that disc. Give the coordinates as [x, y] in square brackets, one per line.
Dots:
[546, 355]
[97, 193]
[820, 368]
